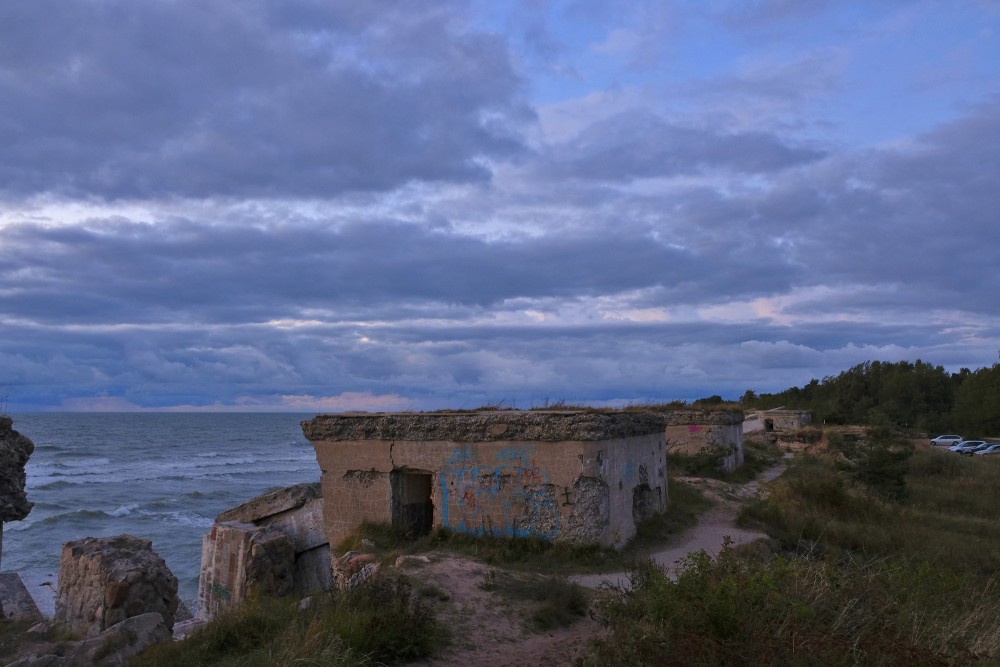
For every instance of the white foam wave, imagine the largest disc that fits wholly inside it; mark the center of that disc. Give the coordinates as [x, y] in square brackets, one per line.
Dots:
[124, 510]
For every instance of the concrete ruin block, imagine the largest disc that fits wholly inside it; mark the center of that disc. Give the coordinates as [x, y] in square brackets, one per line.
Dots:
[17, 602]
[312, 571]
[297, 511]
[568, 475]
[239, 560]
[104, 580]
[692, 432]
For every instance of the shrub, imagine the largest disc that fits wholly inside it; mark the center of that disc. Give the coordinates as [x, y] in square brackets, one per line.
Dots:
[377, 623]
[736, 610]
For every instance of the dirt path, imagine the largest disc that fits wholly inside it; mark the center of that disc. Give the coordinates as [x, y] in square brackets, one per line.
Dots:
[713, 526]
[488, 629]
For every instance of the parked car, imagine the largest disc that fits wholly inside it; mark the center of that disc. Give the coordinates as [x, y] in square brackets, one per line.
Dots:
[993, 448]
[946, 440]
[968, 446]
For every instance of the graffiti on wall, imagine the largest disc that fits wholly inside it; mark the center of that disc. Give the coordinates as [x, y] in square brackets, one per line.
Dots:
[509, 496]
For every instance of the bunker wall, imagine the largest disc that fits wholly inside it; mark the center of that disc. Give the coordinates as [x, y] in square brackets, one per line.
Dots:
[578, 491]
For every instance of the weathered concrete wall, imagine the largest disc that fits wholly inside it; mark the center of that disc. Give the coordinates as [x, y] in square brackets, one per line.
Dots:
[693, 431]
[273, 544]
[583, 477]
[777, 420]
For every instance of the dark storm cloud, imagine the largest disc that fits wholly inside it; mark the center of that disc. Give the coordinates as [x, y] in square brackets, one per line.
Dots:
[120, 271]
[639, 144]
[263, 99]
[920, 216]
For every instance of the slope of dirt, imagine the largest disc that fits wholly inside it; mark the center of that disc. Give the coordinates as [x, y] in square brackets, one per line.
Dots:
[488, 628]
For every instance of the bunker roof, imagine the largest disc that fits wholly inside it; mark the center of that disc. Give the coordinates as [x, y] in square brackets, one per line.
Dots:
[484, 426]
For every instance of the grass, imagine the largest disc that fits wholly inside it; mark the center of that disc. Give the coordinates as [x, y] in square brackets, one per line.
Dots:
[741, 610]
[379, 623]
[949, 515]
[856, 575]
[557, 602]
[706, 463]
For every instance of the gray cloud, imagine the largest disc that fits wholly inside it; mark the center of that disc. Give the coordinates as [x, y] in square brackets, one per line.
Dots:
[400, 241]
[262, 99]
[639, 144]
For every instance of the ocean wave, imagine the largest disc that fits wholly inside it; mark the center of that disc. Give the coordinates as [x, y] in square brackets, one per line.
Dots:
[185, 519]
[52, 485]
[124, 510]
[81, 460]
[74, 515]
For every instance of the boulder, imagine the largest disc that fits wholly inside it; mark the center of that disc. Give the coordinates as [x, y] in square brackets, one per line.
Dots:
[105, 580]
[114, 647]
[14, 452]
[353, 569]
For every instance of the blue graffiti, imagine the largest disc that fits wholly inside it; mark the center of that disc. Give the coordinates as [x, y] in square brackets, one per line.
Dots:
[630, 472]
[505, 499]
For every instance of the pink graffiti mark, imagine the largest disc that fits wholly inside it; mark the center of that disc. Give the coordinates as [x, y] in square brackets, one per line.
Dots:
[469, 498]
[532, 475]
[694, 428]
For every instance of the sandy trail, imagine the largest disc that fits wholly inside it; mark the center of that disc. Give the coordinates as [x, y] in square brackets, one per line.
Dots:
[488, 630]
[713, 527]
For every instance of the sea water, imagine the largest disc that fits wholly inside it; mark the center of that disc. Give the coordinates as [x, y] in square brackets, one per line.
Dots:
[159, 476]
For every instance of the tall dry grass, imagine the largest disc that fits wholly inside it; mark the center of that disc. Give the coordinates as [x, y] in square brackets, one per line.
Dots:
[853, 575]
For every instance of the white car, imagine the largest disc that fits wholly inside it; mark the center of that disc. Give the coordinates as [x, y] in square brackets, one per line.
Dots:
[994, 448]
[946, 440]
[967, 446]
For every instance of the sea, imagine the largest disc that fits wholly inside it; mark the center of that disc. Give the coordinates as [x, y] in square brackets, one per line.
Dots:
[160, 476]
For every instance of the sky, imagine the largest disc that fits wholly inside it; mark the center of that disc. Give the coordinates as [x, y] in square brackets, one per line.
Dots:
[326, 205]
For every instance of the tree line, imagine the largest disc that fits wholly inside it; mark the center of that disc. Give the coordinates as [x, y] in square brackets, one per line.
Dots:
[901, 394]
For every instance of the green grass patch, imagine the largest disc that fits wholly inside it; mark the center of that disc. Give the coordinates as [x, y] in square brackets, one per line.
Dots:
[381, 622]
[741, 610]
[757, 457]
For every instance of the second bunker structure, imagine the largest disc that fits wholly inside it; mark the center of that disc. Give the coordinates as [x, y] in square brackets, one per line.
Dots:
[578, 476]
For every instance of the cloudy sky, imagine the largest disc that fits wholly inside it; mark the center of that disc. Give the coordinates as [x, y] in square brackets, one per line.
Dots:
[327, 205]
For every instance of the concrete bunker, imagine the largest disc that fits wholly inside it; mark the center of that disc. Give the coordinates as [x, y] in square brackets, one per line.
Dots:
[585, 477]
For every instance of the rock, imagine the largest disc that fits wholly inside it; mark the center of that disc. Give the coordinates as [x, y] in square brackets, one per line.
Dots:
[17, 602]
[105, 580]
[406, 559]
[49, 660]
[239, 560]
[352, 569]
[121, 642]
[14, 452]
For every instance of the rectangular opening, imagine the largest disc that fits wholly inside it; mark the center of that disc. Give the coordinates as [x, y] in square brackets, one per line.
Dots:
[412, 508]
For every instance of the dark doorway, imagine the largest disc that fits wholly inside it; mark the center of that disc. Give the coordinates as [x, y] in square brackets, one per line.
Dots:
[412, 509]
[768, 425]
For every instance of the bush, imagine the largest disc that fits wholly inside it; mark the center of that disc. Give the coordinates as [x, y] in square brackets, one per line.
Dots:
[736, 610]
[377, 623]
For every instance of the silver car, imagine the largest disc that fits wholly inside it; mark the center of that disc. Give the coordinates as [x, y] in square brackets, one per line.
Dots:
[968, 446]
[993, 448]
[946, 440]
